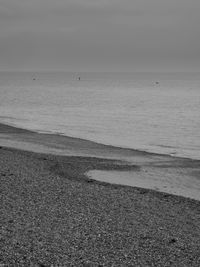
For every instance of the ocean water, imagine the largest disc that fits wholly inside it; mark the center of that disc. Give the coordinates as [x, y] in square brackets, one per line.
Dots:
[155, 112]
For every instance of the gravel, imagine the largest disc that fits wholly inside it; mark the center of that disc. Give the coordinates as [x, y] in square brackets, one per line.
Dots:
[53, 215]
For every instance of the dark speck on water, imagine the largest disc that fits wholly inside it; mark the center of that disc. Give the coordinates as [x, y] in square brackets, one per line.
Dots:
[173, 240]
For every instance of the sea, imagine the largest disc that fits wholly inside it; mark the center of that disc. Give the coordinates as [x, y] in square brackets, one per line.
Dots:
[153, 112]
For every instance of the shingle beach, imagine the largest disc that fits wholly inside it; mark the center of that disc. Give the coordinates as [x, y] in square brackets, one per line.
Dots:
[52, 214]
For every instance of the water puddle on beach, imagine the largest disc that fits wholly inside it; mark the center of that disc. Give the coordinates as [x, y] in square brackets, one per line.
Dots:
[173, 181]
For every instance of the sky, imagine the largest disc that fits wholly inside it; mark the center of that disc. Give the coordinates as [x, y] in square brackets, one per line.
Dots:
[100, 35]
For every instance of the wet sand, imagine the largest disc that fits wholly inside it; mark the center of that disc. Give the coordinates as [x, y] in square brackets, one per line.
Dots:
[164, 173]
[52, 214]
[181, 181]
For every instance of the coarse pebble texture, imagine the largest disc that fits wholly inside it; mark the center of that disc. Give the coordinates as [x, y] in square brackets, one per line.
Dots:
[53, 215]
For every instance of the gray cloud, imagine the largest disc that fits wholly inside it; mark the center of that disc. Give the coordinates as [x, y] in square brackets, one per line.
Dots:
[100, 34]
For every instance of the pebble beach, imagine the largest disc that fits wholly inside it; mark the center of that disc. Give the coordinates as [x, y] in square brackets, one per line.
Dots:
[53, 214]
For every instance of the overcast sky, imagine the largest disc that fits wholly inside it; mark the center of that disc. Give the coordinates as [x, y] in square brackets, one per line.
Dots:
[100, 35]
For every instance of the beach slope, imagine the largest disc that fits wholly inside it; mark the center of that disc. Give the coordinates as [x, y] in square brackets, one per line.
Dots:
[52, 214]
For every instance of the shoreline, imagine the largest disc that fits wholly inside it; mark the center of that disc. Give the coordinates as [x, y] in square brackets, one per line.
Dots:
[53, 214]
[165, 173]
[14, 129]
